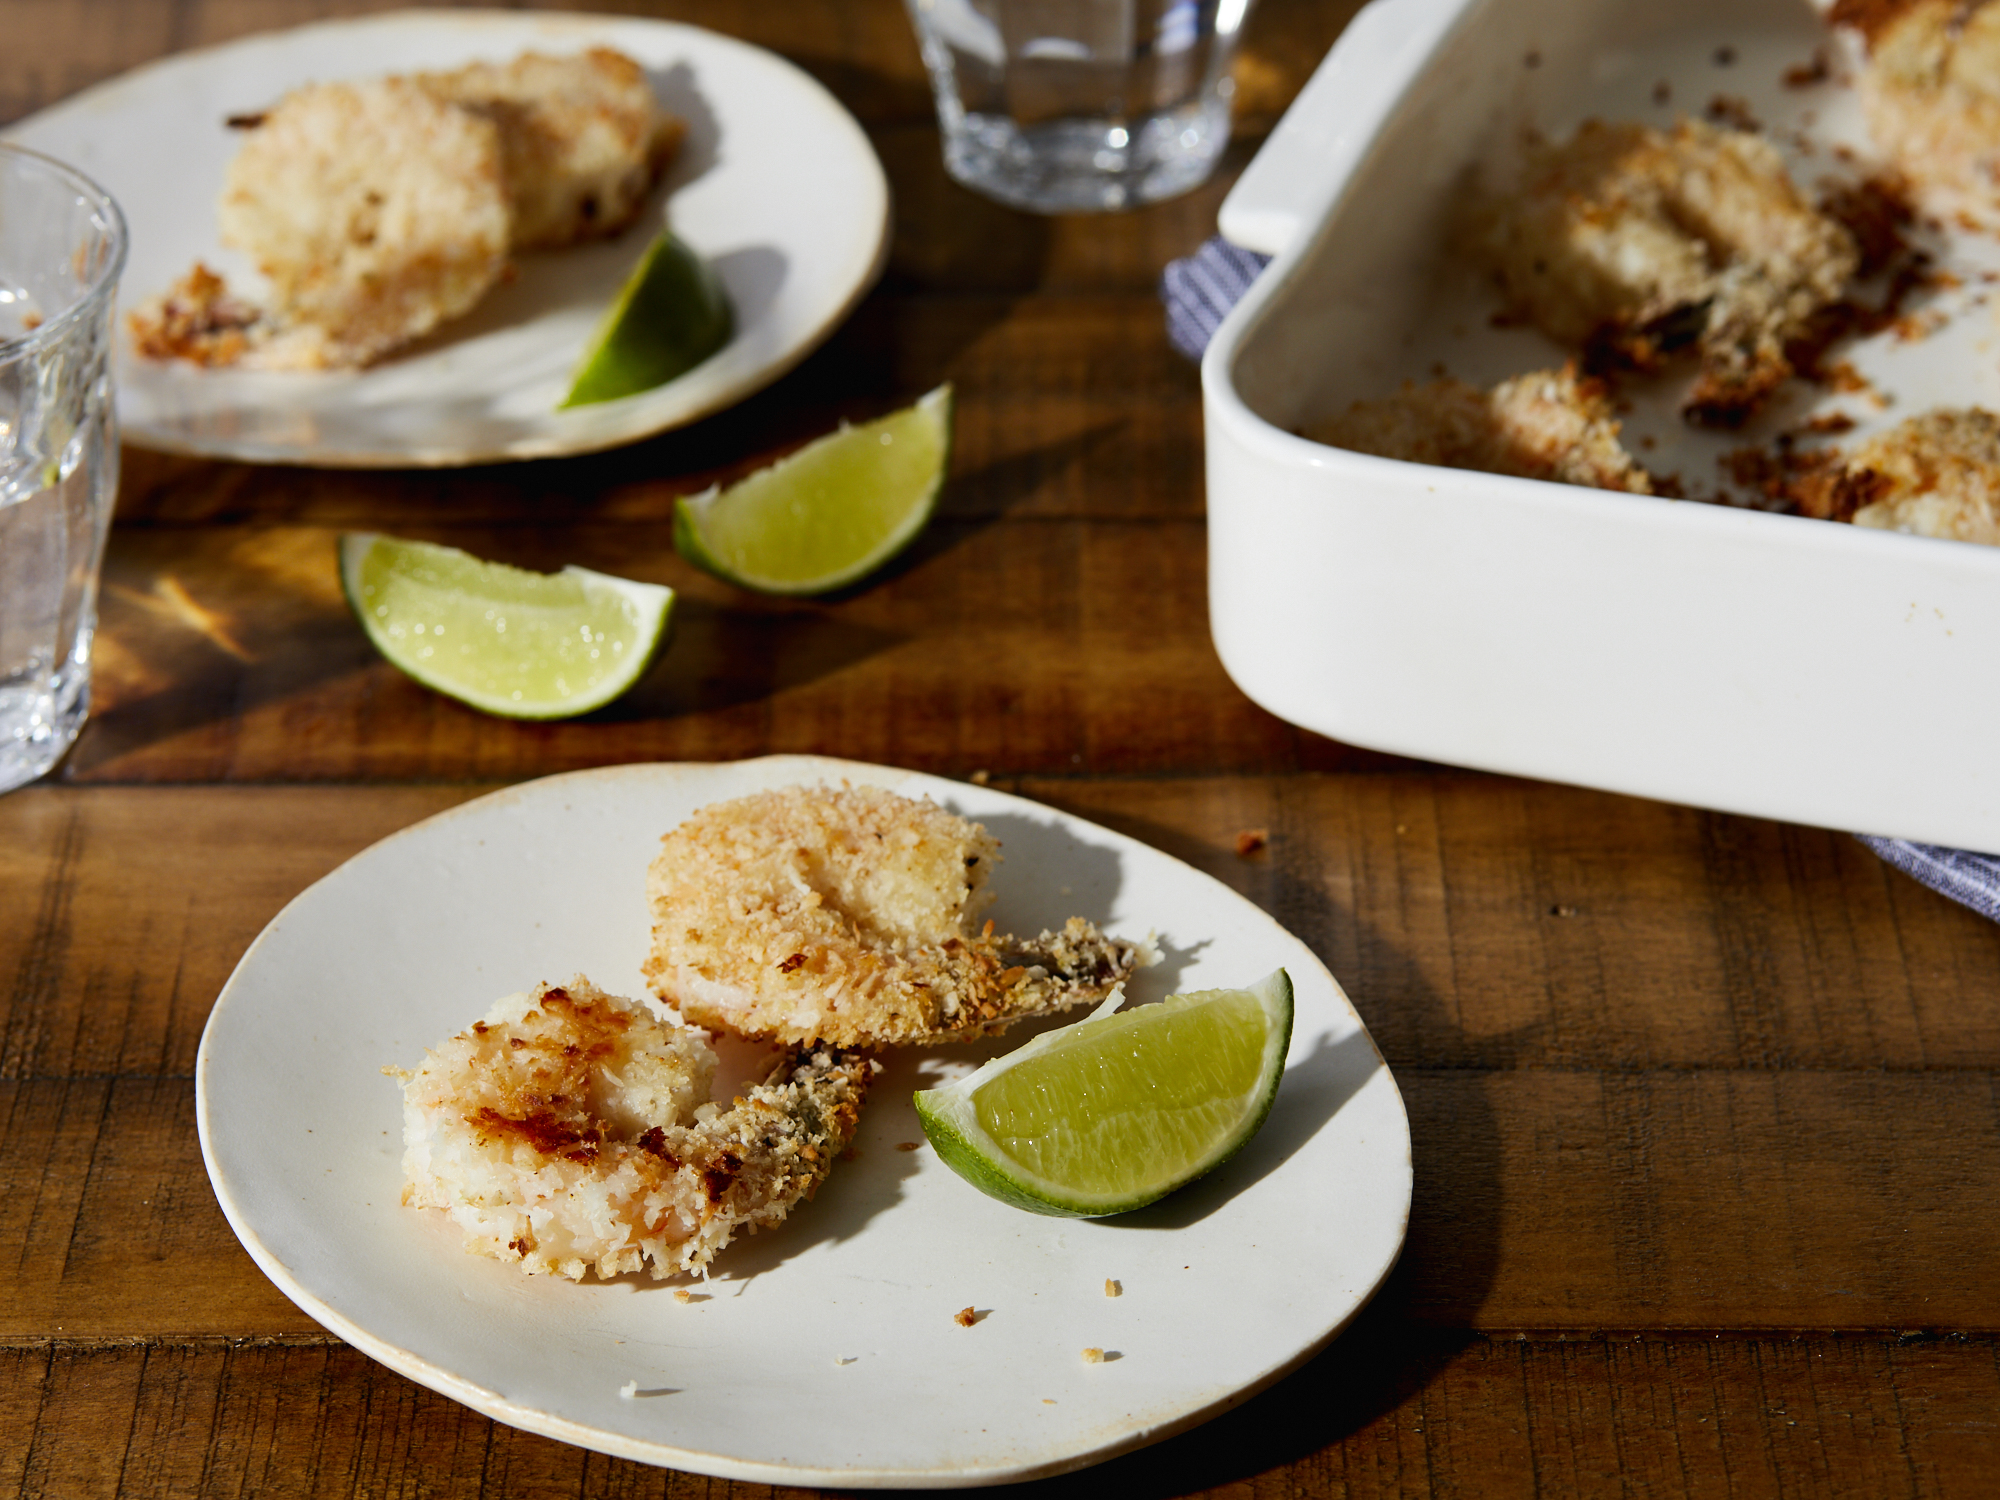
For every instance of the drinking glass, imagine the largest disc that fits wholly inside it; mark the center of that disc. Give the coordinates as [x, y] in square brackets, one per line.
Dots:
[62, 246]
[1061, 106]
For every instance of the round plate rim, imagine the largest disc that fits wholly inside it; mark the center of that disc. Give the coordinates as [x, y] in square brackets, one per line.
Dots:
[782, 769]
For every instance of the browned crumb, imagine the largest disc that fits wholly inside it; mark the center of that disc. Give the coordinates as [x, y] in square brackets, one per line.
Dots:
[1912, 327]
[1550, 424]
[1805, 75]
[1113, 1288]
[1093, 1356]
[909, 1145]
[980, 778]
[1876, 211]
[1725, 57]
[1252, 841]
[1728, 109]
[1663, 92]
[683, 1295]
[197, 319]
[965, 1317]
[1935, 475]
[1869, 17]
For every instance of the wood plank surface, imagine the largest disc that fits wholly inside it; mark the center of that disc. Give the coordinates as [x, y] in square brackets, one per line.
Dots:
[1611, 1127]
[1379, 1414]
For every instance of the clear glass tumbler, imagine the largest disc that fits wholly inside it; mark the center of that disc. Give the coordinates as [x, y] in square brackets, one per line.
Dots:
[1064, 106]
[62, 246]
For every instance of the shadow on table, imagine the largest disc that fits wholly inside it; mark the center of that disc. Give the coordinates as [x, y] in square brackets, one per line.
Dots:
[724, 655]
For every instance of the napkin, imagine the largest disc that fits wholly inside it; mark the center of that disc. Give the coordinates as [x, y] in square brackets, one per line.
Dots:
[1199, 291]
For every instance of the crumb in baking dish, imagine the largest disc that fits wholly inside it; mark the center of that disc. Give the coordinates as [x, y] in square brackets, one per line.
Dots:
[1936, 474]
[1549, 424]
[1633, 243]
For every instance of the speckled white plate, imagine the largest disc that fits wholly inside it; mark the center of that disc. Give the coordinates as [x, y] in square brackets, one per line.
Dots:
[825, 1353]
[775, 184]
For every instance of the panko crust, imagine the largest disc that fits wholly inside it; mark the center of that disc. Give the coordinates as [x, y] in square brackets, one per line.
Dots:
[375, 211]
[1935, 475]
[1931, 93]
[570, 1131]
[582, 139]
[1549, 424]
[1632, 243]
[379, 210]
[846, 916]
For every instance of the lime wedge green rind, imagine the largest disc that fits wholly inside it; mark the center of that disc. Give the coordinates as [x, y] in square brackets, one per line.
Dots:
[1116, 1111]
[671, 314]
[831, 513]
[501, 639]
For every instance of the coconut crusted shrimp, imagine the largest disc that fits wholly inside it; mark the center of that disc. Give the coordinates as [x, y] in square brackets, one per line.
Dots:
[1931, 91]
[1548, 424]
[571, 1130]
[1936, 474]
[1636, 242]
[846, 916]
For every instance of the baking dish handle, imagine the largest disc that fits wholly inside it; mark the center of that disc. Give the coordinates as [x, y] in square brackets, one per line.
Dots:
[1330, 124]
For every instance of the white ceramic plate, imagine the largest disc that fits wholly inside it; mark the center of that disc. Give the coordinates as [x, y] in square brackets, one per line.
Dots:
[825, 1353]
[775, 184]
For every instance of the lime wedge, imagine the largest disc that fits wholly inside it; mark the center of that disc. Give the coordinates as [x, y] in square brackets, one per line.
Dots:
[1117, 1110]
[829, 514]
[670, 315]
[519, 644]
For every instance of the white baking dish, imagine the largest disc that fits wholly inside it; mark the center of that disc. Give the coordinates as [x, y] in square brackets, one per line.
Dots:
[1722, 657]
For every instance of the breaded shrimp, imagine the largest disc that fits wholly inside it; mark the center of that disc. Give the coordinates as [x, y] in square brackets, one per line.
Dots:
[570, 1130]
[582, 139]
[1937, 475]
[1549, 424]
[1635, 242]
[846, 916]
[1931, 92]
[375, 210]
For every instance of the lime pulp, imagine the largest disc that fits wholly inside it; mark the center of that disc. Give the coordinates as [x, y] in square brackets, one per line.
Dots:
[1121, 1109]
[510, 642]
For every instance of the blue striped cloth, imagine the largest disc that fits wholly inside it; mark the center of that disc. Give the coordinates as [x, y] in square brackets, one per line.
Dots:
[1200, 290]
[1198, 293]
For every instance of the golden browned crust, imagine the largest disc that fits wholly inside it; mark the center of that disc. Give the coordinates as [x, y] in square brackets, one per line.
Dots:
[1931, 92]
[846, 915]
[375, 212]
[1633, 243]
[1550, 424]
[378, 210]
[197, 319]
[1935, 475]
[569, 1131]
[582, 139]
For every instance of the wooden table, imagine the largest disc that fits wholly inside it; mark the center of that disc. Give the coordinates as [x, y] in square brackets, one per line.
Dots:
[1707, 1132]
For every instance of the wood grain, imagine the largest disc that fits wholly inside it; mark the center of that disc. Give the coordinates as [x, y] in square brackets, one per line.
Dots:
[1703, 1108]
[1624, 1153]
[1379, 1414]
